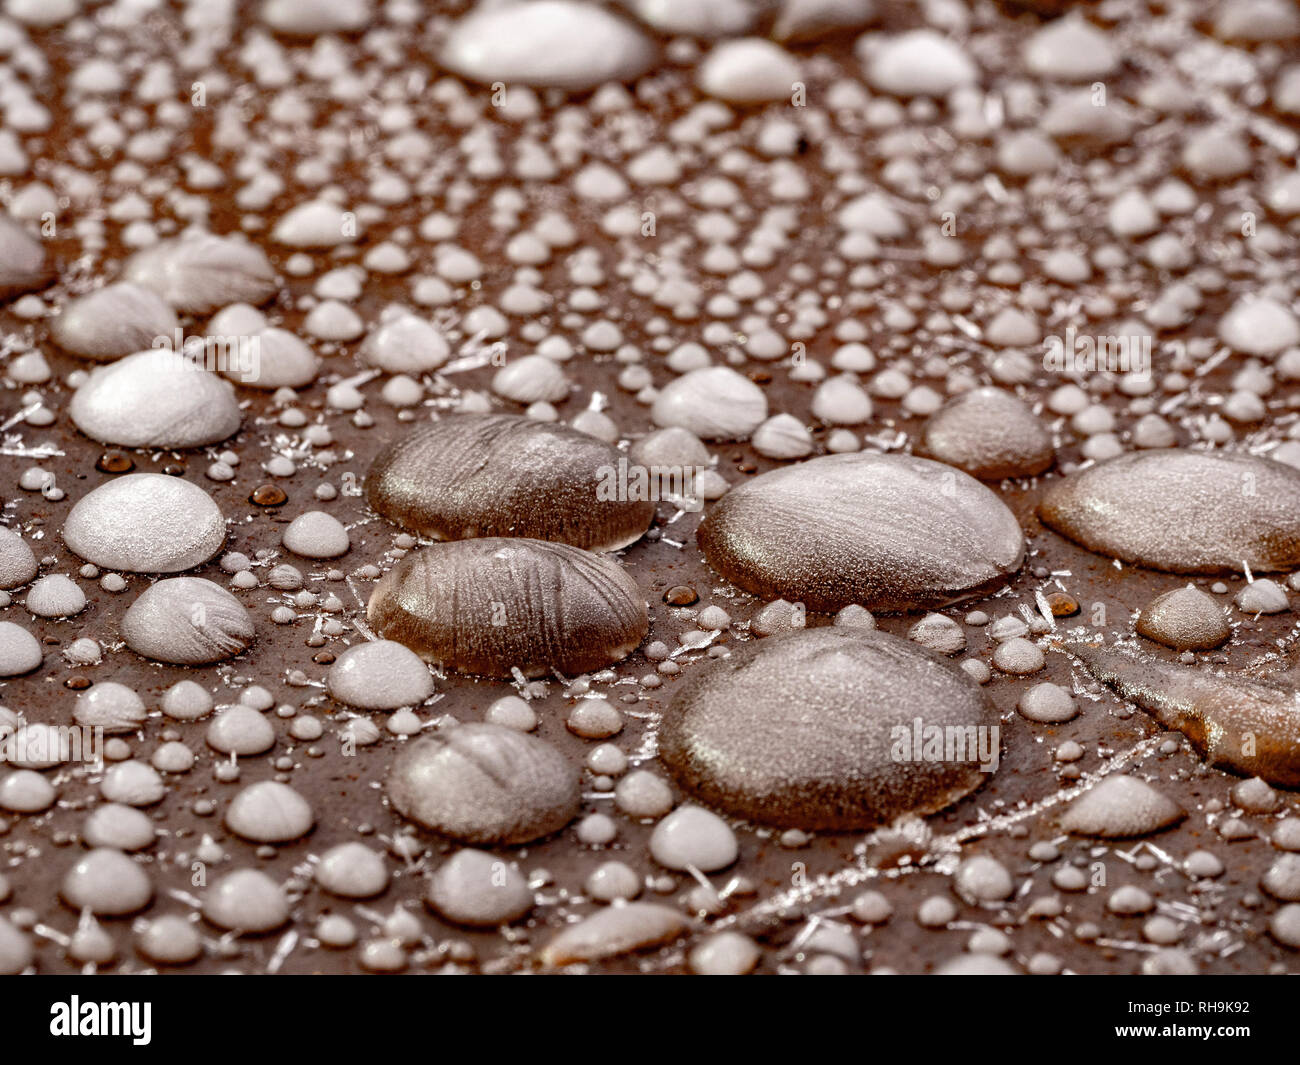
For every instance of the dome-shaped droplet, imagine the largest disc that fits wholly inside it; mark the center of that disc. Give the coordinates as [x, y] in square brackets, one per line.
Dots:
[156, 399]
[199, 274]
[484, 784]
[889, 532]
[379, 675]
[476, 889]
[473, 475]
[17, 563]
[187, 621]
[1186, 619]
[714, 403]
[246, 900]
[20, 651]
[24, 266]
[1183, 511]
[111, 706]
[493, 605]
[547, 44]
[830, 728]
[107, 882]
[269, 812]
[1121, 807]
[113, 321]
[352, 871]
[989, 434]
[146, 523]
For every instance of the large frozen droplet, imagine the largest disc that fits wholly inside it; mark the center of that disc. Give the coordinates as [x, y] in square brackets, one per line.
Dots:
[199, 274]
[23, 263]
[749, 71]
[692, 837]
[830, 728]
[379, 675]
[689, 18]
[107, 882]
[146, 523]
[1121, 807]
[240, 730]
[269, 812]
[297, 19]
[273, 358]
[17, 563]
[1258, 325]
[316, 534]
[406, 343]
[113, 321]
[1247, 724]
[1071, 49]
[111, 706]
[16, 952]
[20, 651]
[1186, 619]
[247, 901]
[473, 475]
[484, 784]
[55, 596]
[889, 532]
[187, 621]
[156, 399]
[476, 889]
[352, 871]
[988, 433]
[1183, 511]
[714, 403]
[494, 605]
[547, 44]
[916, 63]
[613, 931]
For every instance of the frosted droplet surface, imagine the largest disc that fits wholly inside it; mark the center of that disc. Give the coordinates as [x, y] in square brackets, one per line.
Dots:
[269, 812]
[187, 621]
[316, 534]
[113, 321]
[1183, 511]
[474, 475]
[887, 532]
[492, 605]
[155, 399]
[108, 883]
[476, 889]
[1121, 807]
[1186, 619]
[201, 273]
[839, 708]
[692, 836]
[17, 563]
[146, 523]
[111, 706]
[714, 403]
[484, 784]
[23, 263]
[379, 675]
[918, 63]
[989, 434]
[545, 44]
[352, 871]
[246, 900]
